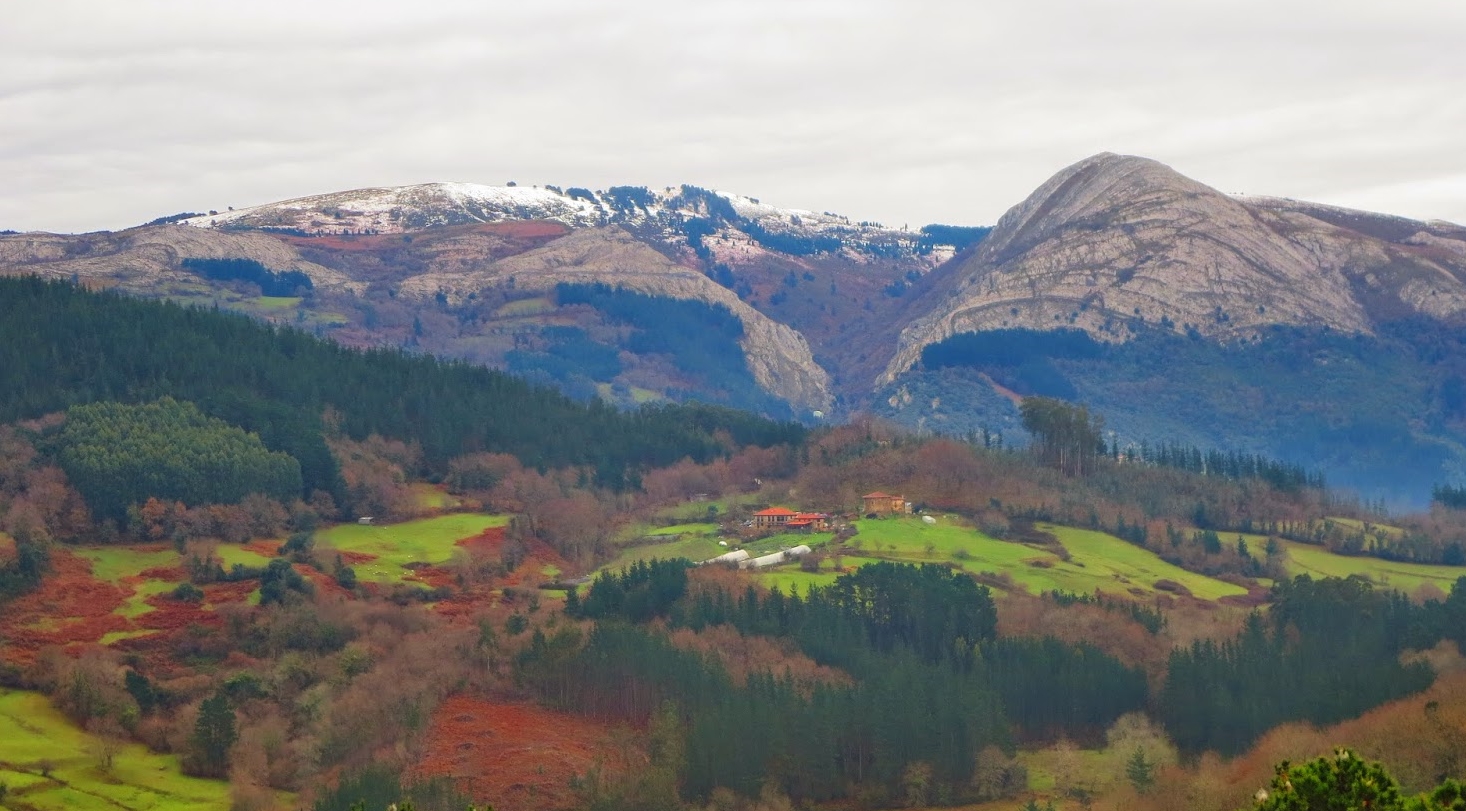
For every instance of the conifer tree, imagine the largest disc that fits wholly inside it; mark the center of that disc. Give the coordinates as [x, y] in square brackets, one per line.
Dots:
[213, 736]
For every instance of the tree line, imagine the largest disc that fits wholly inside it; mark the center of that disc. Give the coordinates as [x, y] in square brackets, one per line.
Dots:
[120, 455]
[62, 346]
[1328, 650]
[271, 282]
[1283, 476]
[933, 684]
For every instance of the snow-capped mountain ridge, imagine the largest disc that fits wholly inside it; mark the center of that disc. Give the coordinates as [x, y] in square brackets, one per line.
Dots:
[406, 208]
[675, 215]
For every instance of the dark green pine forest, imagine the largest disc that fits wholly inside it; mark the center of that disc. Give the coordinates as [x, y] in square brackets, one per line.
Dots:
[936, 684]
[62, 346]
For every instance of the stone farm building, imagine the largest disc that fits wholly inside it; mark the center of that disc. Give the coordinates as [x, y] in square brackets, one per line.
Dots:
[812, 522]
[773, 517]
[785, 517]
[884, 503]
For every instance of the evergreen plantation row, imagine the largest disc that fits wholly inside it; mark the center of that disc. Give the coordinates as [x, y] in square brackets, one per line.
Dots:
[936, 685]
[62, 346]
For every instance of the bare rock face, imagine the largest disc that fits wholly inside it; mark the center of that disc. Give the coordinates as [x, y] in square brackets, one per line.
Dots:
[142, 260]
[778, 356]
[1115, 244]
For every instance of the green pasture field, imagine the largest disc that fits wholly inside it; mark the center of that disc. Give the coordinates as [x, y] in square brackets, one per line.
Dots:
[787, 540]
[1316, 561]
[906, 537]
[695, 548]
[1377, 530]
[230, 554]
[1125, 561]
[525, 307]
[791, 579]
[137, 604]
[426, 540]
[113, 563]
[1098, 561]
[1407, 577]
[33, 734]
[277, 302]
[686, 529]
[698, 510]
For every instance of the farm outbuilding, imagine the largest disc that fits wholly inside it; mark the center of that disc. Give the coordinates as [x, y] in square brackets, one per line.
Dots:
[730, 557]
[879, 503]
[817, 522]
[775, 558]
[763, 562]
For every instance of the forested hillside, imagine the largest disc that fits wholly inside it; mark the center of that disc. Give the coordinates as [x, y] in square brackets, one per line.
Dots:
[183, 571]
[63, 346]
[1384, 413]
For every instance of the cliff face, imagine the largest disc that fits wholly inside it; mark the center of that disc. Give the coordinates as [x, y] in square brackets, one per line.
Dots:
[778, 356]
[1116, 244]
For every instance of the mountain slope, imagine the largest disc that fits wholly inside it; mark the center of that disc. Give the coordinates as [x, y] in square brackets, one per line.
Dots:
[147, 261]
[791, 277]
[777, 355]
[1115, 245]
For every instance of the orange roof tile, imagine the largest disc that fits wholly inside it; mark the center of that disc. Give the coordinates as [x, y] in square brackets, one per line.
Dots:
[772, 511]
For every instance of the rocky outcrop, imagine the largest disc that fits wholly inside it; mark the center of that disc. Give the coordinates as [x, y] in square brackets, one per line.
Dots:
[147, 260]
[778, 356]
[1115, 244]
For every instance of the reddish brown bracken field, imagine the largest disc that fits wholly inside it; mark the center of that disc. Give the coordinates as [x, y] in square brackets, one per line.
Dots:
[519, 755]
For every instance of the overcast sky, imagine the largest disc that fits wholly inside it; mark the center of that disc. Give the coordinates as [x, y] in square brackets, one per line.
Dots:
[113, 113]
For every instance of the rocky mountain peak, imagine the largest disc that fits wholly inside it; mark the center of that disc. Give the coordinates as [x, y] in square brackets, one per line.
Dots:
[1116, 244]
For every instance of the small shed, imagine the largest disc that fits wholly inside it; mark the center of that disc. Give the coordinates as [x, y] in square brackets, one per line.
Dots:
[365, 520]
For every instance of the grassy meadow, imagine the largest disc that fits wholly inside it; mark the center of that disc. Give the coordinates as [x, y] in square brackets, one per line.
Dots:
[48, 764]
[1406, 577]
[1097, 561]
[426, 540]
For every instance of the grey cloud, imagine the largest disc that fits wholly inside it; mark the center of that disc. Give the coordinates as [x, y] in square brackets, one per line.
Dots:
[904, 112]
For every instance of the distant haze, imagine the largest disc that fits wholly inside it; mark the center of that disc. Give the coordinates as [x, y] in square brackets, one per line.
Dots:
[112, 114]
